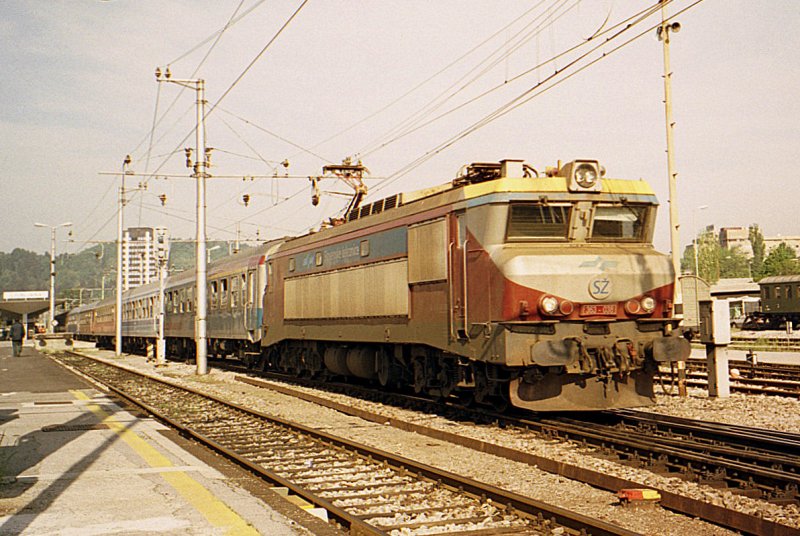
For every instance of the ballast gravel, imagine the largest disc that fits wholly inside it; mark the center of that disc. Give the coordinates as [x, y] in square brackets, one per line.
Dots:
[757, 411]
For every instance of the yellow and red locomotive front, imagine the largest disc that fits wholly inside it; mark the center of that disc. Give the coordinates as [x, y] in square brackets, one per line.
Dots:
[503, 286]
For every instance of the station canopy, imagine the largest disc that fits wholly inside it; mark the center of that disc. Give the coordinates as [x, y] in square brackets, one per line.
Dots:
[26, 302]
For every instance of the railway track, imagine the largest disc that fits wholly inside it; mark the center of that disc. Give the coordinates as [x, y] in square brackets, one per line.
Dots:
[368, 490]
[745, 460]
[744, 382]
[768, 371]
[755, 462]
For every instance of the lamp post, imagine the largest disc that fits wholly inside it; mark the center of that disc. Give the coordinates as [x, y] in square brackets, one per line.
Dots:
[212, 248]
[51, 323]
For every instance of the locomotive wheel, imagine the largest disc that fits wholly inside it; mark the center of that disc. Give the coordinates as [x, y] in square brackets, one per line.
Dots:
[420, 379]
[483, 390]
[312, 361]
[389, 373]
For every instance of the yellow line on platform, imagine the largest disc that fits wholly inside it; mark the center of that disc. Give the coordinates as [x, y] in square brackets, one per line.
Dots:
[213, 509]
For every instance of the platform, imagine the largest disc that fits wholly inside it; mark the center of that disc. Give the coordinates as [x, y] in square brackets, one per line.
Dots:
[72, 461]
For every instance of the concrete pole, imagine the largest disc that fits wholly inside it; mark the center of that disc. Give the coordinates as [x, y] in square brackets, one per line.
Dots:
[52, 315]
[118, 304]
[200, 242]
[201, 260]
[25, 330]
[674, 224]
[50, 327]
[161, 347]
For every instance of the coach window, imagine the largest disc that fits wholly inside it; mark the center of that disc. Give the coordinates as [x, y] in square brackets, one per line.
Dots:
[190, 299]
[623, 222]
[789, 292]
[214, 294]
[251, 287]
[223, 294]
[235, 291]
[318, 258]
[528, 220]
[778, 293]
[364, 248]
[291, 264]
[243, 283]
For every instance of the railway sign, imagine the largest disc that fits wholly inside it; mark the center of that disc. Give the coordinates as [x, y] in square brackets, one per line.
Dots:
[26, 295]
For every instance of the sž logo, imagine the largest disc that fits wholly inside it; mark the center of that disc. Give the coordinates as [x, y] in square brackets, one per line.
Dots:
[600, 288]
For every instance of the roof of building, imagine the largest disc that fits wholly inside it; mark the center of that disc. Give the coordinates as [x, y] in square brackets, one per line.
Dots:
[735, 286]
[781, 279]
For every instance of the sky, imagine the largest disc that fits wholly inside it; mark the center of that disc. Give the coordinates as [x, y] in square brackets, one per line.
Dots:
[391, 83]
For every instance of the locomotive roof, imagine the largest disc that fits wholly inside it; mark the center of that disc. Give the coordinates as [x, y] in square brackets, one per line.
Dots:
[521, 188]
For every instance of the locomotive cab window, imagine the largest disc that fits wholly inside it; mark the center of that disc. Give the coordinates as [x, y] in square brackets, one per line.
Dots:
[538, 221]
[619, 223]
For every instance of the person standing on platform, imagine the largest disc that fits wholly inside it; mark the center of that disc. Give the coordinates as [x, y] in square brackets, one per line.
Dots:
[17, 333]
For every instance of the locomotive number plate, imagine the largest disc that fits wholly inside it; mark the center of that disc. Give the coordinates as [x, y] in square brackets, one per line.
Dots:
[608, 309]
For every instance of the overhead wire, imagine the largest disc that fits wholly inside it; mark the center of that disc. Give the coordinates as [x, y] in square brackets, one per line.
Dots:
[531, 93]
[428, 79]
[442, 98]
[240, 77]
[276, 136]
[505, 83]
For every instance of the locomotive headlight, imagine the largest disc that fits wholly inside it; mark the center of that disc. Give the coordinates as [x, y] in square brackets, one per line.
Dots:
[566, 307]
[648, 304]
[548, 305]
[633, 307]
[586, 175]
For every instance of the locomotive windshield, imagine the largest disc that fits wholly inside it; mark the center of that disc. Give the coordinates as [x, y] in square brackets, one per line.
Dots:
[538, 221]
[619, 223]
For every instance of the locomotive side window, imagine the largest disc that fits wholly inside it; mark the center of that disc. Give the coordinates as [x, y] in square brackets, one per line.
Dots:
[619, 223]
[538, 221]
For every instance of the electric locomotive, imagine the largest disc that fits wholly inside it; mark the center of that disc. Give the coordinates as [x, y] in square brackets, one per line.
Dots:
[502, 286]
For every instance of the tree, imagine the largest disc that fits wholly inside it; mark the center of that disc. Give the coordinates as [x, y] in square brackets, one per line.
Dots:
[733, 263]
[781, 261]
[759, 251]
[708, 250]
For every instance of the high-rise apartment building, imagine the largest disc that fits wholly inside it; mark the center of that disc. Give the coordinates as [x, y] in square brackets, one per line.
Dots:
[139, 256]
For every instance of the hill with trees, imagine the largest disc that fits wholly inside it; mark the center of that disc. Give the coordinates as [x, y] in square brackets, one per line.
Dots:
[87, 275]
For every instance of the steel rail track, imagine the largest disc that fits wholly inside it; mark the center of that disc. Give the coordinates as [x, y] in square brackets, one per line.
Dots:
[751, 524]
[741, 384]
[368, 490]
[761, 467]
[763, 371]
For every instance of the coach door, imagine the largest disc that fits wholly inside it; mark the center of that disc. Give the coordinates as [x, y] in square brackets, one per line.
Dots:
[250, 306]
[459, 306]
